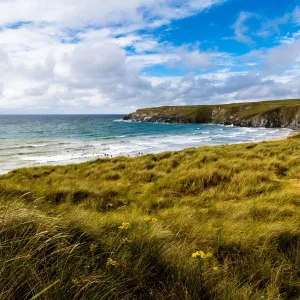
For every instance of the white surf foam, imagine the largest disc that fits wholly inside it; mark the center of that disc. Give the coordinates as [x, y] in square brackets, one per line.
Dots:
[43, 152]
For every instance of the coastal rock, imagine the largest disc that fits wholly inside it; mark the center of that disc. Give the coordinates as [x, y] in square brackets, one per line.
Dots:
[273, 114]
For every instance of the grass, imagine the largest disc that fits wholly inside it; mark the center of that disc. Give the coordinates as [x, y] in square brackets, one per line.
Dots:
[126, 228]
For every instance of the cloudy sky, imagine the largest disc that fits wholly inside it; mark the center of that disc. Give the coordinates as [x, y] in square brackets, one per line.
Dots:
[114, 56]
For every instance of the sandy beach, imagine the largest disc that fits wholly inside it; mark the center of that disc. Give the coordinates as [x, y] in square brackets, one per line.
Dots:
[282, 138]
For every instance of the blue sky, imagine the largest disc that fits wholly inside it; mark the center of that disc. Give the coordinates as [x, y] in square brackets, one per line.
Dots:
[114, 57]
[265, 25]
[211, 27]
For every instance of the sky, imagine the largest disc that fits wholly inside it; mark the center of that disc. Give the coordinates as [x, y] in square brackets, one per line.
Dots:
[91, 57]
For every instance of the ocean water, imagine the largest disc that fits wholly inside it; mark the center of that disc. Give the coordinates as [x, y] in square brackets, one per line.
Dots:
[35, 140]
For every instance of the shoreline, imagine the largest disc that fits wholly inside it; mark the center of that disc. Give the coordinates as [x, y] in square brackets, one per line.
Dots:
[282, 138]
[6, 171]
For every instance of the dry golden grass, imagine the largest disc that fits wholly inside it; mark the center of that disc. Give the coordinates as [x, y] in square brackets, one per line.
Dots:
[126, 228]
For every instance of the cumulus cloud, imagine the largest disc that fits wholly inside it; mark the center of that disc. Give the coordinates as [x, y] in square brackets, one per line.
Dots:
[73, 13]
[95, 61]
[66, 56]
[242, 87]
[253, 55]
[4, 64]
[285, 55]
[72, 53]
[191, 59]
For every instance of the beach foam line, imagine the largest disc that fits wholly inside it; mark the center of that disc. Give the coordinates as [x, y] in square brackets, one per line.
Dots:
[80, 150]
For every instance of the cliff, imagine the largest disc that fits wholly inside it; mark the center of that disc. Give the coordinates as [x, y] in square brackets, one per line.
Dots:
[270, 114]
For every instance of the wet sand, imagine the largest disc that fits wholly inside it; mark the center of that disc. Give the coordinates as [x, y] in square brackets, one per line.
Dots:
[282, 138]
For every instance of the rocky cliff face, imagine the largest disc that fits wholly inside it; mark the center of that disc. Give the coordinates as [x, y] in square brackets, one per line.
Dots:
[156, 118]
[244, 115]
[278, 118]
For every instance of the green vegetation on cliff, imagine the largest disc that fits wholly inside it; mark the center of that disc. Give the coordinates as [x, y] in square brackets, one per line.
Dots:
[252, 108]
[134, 228]
[280, 113]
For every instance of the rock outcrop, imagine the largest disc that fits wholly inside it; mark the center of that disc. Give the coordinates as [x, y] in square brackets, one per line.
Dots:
[270, 114]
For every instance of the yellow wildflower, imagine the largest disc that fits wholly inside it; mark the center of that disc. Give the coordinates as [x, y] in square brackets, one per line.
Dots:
[124, 226]
[197, 254]
[109, 205]
[207, 255]
[215, 268]
[75, 281]
[149, 219]
[126, 241]
[111, 262]
[201, 254]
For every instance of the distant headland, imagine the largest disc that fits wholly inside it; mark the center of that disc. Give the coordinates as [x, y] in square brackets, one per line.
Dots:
[269, 114]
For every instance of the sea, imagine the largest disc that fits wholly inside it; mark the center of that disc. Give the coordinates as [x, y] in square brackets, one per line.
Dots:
[35, 140]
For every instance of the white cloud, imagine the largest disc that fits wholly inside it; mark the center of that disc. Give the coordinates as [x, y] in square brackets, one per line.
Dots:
[41, 66]
[146, 45]
[267, 27]
[253, 55]
[296, 14]
[75, 58]
[191, 59]
[270, 27]
[241, 30]
[74, 13]
[285, 55]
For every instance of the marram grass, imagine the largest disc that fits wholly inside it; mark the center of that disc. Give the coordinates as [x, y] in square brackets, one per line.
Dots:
[209, 223]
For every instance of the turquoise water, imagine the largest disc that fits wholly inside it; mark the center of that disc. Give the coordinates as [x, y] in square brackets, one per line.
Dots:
[59, 139]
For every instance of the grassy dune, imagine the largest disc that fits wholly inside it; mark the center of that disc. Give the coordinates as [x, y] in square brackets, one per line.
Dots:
[134, 228]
